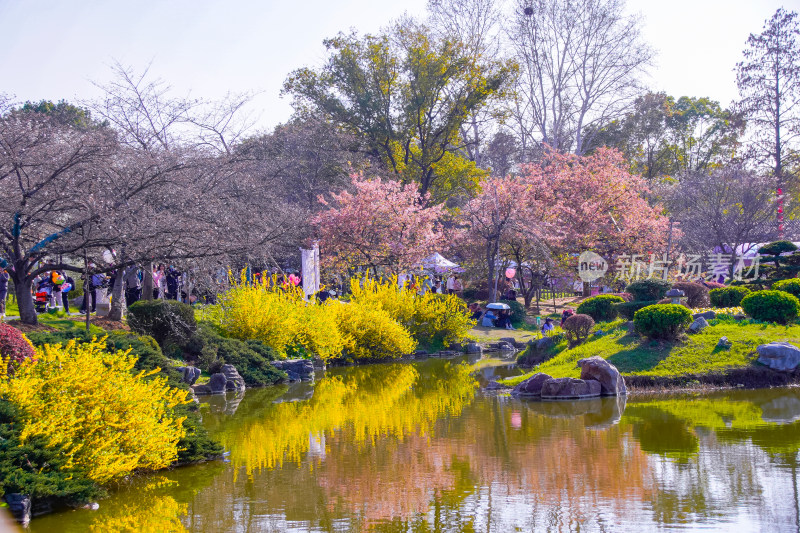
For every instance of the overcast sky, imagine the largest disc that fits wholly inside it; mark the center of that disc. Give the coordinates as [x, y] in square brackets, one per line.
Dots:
[54, 50]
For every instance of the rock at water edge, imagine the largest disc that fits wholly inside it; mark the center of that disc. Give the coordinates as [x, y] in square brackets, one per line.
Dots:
[779, 356]
[570, 389]
[531, 386]
[218, 383]
[598, 369]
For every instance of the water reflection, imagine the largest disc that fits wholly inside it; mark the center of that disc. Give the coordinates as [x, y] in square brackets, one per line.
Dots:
[411, 447]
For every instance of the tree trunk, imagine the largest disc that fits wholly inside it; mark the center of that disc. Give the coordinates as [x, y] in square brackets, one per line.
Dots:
[27, 311]
[117, 297]
[147, 283]
[491, 257]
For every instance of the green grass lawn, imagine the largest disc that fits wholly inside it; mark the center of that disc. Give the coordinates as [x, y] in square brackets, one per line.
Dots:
[696, 354]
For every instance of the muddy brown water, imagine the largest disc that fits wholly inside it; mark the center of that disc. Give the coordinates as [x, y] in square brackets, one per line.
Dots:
[418, 447]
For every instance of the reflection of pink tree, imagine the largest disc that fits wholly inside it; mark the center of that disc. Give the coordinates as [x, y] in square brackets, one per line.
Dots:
[382, 224]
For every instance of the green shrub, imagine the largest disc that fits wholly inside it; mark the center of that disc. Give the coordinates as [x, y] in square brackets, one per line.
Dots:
[577, 328]
[517, 312]
[251, 358]
[792, 286]
[628, 309]
[662, 321]
[648, 289]
[728, 297]
[37, 468]
[777, 248]
[771, 306]
[164, 320]
[697, 294]
[600, 308]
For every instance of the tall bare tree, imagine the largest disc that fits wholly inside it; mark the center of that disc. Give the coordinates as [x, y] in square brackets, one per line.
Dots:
[769, 85]
[580, 67]
[723, 208]
[51, 194]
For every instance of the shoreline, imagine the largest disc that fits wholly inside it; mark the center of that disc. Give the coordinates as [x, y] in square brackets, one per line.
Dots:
[748, 378]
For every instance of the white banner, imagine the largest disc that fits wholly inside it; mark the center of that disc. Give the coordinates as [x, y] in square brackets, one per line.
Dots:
[310, 261]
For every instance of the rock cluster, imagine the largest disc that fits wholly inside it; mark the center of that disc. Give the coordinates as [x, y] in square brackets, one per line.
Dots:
[598, 378]
[226, 380]
[190, 374]
[296, 369]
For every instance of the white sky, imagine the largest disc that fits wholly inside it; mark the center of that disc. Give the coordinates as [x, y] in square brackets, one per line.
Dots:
[54, 49]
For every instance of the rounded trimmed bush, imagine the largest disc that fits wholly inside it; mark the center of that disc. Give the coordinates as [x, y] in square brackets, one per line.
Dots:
[792, 286]
[728, 296]
[14, 348]
[648, 289]
[577, 328]
[696, 293]
[600, 308]
[662, 321]
[772, 306]
[628, 309]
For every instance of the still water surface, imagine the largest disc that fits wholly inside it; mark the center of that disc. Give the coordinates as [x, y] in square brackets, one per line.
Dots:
[418, 447]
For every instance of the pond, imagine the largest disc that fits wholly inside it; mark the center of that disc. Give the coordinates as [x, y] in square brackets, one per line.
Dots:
[418, 447]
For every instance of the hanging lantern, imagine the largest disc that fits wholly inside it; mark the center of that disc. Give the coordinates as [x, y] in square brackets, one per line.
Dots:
[511, 272]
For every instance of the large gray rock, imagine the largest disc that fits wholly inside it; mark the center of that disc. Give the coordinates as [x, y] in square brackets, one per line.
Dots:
[20, 507]
[708, 315]
[296, 369]
[699, 324]
[473, 347]
[779, 356]
[569, 389]
[545, 343]
[218, 383]
[598, 369]
[190, 374]
[531, 386]
[234, 382]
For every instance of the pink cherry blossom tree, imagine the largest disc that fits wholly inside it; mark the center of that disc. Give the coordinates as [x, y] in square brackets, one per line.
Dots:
[381, 225]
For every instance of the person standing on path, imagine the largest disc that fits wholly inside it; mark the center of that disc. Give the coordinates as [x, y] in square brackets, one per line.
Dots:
[68, 285]
[3, 292]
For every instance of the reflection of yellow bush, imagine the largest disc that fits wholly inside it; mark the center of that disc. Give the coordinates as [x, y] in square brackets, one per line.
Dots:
[150, 512]
[369, 402]
[428, 316]
[109, 421]
[370, 333]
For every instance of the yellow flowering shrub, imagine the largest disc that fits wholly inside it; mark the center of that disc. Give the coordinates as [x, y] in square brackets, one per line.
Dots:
[428, 316]
[279, 317]
[108, 420]
[370, 332]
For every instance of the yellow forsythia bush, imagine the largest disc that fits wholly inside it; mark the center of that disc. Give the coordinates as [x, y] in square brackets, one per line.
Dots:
[428, 316]
[279, 317]
[109, 420]
[370, 332]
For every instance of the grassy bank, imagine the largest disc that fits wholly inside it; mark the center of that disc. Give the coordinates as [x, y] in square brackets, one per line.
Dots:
[693, 356]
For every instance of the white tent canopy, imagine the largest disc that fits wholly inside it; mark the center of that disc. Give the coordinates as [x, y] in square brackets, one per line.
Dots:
[437, 261]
